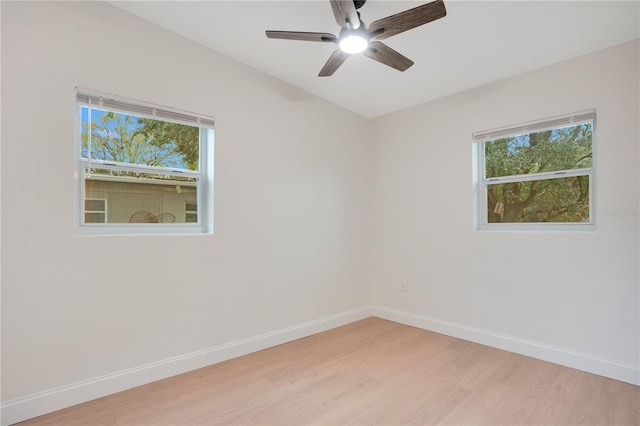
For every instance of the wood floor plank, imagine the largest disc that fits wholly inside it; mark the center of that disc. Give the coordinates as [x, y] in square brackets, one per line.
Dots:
[596, 399]
[627, 411]
[371, 372]
[476, 409]
[518, 406]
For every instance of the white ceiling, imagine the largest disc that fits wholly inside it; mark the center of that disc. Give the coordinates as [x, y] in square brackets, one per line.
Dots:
[476, 43]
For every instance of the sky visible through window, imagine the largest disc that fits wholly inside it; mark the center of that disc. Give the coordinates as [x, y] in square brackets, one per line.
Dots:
[564, 148]
[125, 138]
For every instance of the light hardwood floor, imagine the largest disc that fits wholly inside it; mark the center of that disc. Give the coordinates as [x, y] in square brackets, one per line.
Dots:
[372, 372]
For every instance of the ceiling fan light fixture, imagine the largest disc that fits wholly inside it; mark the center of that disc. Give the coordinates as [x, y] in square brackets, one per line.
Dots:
[354, 37]
[353, 43]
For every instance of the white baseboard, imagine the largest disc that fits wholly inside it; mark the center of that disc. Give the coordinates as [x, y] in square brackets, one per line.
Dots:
[55, 399]
[604, 367]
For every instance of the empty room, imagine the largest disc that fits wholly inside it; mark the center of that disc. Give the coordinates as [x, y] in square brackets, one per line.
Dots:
[320, 212]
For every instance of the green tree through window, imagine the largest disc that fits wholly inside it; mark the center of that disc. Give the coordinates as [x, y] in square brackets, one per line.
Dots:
[538, 177]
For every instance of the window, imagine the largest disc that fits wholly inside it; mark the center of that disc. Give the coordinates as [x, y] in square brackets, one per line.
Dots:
[538, 175]
[152, 166]
[95, 210]
[190, 212]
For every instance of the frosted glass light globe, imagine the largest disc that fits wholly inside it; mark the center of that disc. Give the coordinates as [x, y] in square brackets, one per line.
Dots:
[353, 44]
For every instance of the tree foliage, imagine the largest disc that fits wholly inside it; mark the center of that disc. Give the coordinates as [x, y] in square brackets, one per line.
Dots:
[127, 139]
[543, 200]
[182, 139]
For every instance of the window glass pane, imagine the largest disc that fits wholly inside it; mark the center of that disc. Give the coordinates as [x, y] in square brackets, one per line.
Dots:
[94, 205]
[134, 197]
[94, 218]
[566, 148]
[129, 139]
[547, 200]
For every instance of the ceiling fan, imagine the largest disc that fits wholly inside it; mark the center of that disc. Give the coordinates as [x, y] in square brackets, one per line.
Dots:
[356, 38]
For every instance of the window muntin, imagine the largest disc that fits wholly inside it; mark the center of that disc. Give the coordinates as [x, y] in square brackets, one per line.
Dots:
[538, 175]
[145, 166]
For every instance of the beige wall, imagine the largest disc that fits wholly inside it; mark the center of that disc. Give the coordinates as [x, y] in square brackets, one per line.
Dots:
[575, 291]
[292, 202]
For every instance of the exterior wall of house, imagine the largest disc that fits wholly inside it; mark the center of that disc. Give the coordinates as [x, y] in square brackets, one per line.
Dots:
[170, 202]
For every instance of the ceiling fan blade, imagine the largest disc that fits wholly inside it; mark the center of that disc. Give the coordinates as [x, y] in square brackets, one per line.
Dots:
[345, 13]
[384, 54]
[336, 59]
[403, 21]
[300, 35]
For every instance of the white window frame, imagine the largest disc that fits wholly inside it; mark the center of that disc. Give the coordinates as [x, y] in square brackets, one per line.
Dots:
[203, 176]
[481, 183]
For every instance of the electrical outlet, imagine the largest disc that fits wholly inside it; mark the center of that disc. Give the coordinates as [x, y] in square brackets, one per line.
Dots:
[403, 286]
